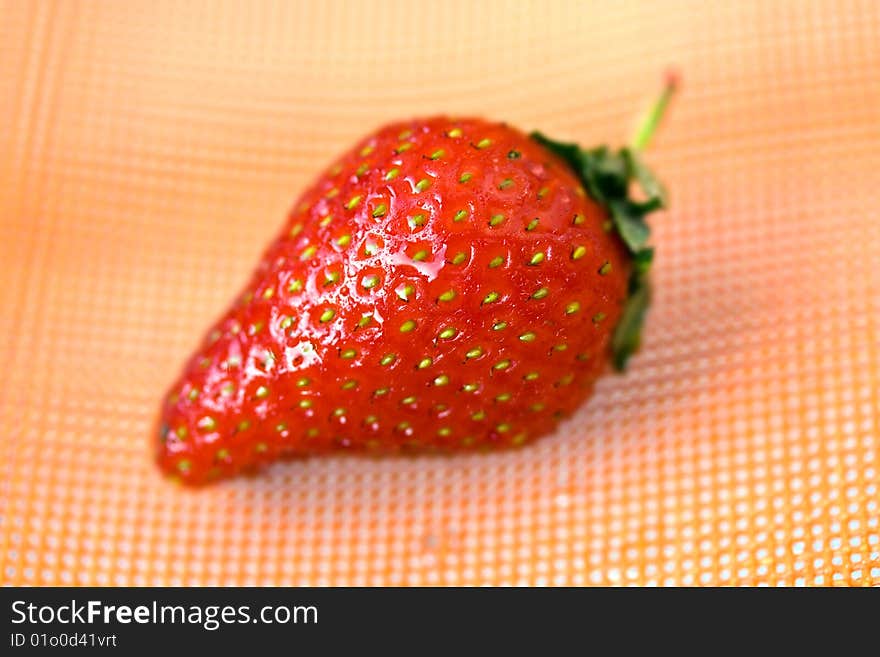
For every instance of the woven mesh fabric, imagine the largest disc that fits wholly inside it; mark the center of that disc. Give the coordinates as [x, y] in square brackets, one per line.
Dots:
[149, 150]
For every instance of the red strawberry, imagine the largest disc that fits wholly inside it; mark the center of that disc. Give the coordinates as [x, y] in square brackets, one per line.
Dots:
[448, 283]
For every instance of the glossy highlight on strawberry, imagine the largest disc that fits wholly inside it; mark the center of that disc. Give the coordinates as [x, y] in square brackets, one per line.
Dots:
[446, 284]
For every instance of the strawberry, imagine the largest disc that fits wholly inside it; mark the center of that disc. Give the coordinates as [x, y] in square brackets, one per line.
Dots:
[447, 283]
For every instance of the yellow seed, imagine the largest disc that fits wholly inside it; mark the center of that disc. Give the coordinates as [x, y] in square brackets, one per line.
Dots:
[402, 148]
[181, 432]
[408, 401]
[327, 315]
[325, 221]
[543, 192]
[353, 202]
[303, 382]
[281, 427]
[380, 210]
[444, 431]
[479, 415]
[339, 412]
[262, 392]
[459, 258]
[207, 423]
[499, 326]
[448, 333]
[308, 252]
[392, 174]
[269, 292]
[537, 259]
[296, 285]
[449, 295]
[366, 150]
[405, 292]
[454, 133]
[564, 381]
[605, 269]
[371, 249]
[193, 394]
[578, 253]
[518, 439]
[333, 193]
[365, 319]
[296, 230]
[505, 184]
[349, 385]
[496, 220]
[370, 281]
[419, 256]
[470, 387]
[441, 380]
[362, 169]
[331, 277]
[560, 347]
[578, 219]
[503, 397]
[227, 389]
[572, 308]
[532, 225]
[425, 362]
[497, 261]
[501, 365]
[305, 403]
[407, 326]
[490, 298]
[528, 337]
[423, 184]
[531, 376]
[484, 143]
[598, 317]
[348, 354]
[416, 221]
[476, 352]
[406, 134]
[541, 293]
[286, 323]
[436, 155]
[460, 216]
[244, 425]
[184, 466]
[313, 432]
[465, 177]
[502, 428]
[536, 408]
[387, 359]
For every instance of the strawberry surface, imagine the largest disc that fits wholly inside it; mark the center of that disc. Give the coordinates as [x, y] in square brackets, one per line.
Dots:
[447, 283]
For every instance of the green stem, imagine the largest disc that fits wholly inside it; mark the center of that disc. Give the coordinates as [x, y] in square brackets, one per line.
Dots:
[649, 122]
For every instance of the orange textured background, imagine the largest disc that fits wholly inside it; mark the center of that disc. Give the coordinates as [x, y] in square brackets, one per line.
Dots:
[148, 151]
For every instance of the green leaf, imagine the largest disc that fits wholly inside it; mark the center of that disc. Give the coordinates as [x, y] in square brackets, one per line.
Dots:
[571, 153]
[608, 176]
[629, 221]
[642, 260]
[628, 332]
[651, 186]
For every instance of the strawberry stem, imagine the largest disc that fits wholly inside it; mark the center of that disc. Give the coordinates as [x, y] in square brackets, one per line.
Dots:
[648, 124]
